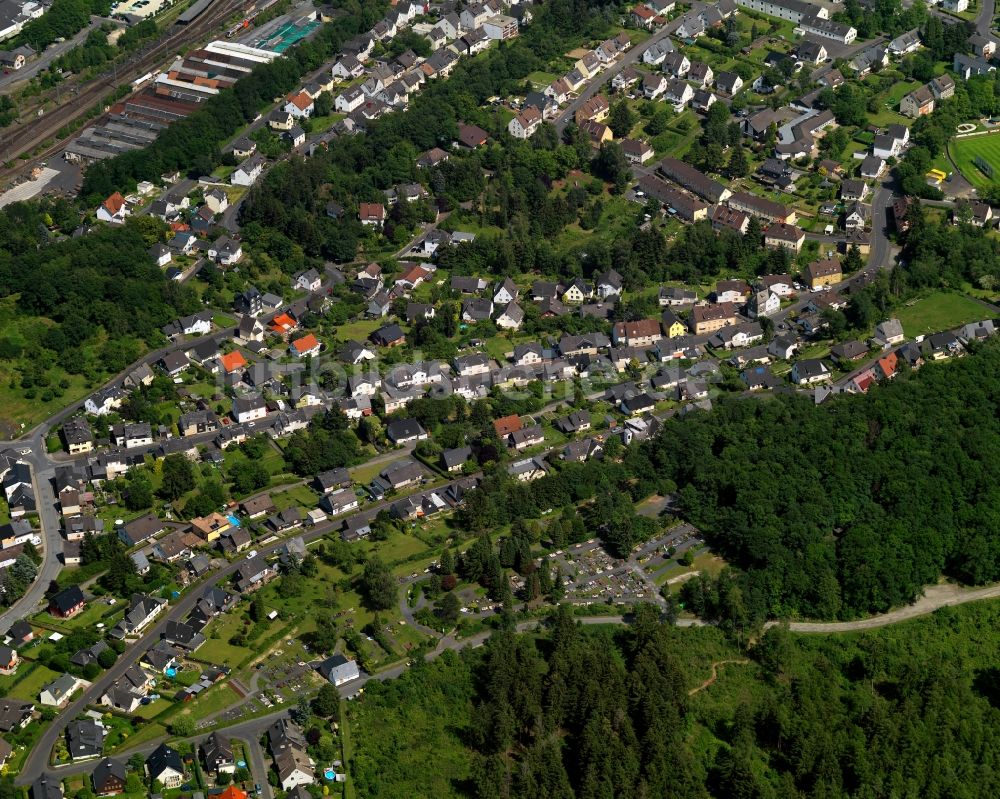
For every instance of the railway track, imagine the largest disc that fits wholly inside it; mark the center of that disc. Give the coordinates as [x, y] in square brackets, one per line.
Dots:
[28, 136]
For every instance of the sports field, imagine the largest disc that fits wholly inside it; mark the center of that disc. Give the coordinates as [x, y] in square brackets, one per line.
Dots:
[964, 152]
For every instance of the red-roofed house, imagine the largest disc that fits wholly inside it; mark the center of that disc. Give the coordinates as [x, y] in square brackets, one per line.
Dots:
[307, 345]
[232, 361]
[300, 105]
[886, 367]
[372, 214]
[643, 17]
[283, 324]
[113, 209]
[232, 792]
[413, 277]
[507, 425]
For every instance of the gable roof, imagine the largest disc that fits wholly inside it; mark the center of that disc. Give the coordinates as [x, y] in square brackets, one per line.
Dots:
[232, 361]
[114, 203]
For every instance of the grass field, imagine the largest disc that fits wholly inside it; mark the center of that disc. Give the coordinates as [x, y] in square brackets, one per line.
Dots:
[398, 547]
[27, 682]
[964, 152]
[940, 311]
[301, 495]
[359, 330]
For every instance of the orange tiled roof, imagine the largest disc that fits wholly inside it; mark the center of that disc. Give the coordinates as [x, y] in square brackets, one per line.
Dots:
[232, 361]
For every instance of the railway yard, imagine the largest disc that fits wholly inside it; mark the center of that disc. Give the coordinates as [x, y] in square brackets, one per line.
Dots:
[136, 99]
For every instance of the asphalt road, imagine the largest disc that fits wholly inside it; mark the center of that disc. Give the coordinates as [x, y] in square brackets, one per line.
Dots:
[880, 252]
[258, 767]
[42, 473]
[984, 19]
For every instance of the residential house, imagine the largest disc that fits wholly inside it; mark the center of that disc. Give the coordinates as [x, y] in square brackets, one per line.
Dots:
[511, 317]
[85, 739]
[217, 754]
[788, 237]
[77, 435]
[595, 109]
[888, 333]
[640, 333]
[728, 83]
[856, 217]
[372, 214]
[113, 210]
[917, 103]
[141, 529]
[656, 52]
[454, 459]
[404, 431]
[58, 692]
[164, 765]
[763, 303]
[527, 470]
[653, 85]
[249, 408]
[672, 324]
[809, 371]
[575, 422]
[678, 92]
[943, 87]
[905, 43]
[339, 670]
[67, 603]
[853, 190]
[142, 610]
[725, 218]
[636, 151]
[8, 661]
[732, 291]
[823, 272]
[247, 173]
[471, 137]
[709, 318]
[109, 777]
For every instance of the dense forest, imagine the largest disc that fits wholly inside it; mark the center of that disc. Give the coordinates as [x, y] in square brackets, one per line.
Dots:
[852, 506]
[87, 304]
[907, 711]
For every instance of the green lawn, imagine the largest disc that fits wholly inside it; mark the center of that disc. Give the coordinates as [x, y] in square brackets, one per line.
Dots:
[940, 311]
[95, 611]
[399, 547]
[364, 474]
[27, 682]
[301, 495]
[541, 79]
[900, 90]
[964, 153]
[214, 700]
[359, 330]
[149, 732]
[219, 650]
